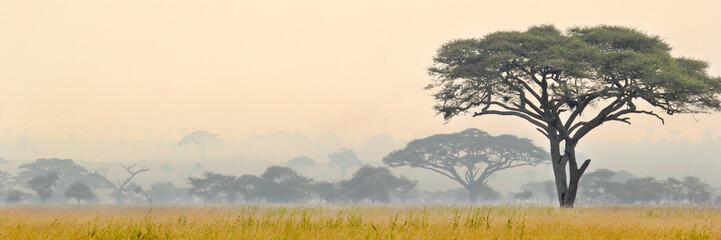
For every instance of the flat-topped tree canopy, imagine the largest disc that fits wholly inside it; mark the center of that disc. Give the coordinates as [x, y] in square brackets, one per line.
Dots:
[469, 157]
[549, 78]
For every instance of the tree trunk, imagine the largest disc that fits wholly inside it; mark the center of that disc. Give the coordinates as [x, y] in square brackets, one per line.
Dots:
[566, 187]
[472, 195]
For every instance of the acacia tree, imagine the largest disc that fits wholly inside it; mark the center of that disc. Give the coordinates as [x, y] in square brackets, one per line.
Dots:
[344, 159]
[469, 157]
[202, 139]
[43, 185]
[568, 84]
[79, 191]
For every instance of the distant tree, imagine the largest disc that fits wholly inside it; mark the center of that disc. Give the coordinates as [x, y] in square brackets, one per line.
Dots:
[644, 190]
[373, 183]
[344, 159]
[469, 157]
[202, 139]
[553, 80]
[79, 191]
[300, 163]
[326, 191]
[696, 191]
[523, 196]
[402, 187]
[594, 183]
[66, 170]
[672, 190]
[120, 188]
[3, 161]
[166, 192]
[248, 186]
[283, 184]
[43, 185]
[14, 196]
[210, 185]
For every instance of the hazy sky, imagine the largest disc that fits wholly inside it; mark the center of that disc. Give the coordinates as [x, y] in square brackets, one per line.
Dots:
[160, 69]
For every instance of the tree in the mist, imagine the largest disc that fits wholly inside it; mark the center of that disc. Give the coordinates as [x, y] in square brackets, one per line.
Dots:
[14, 196]
[3, 161]
[43, 185]
[202, 139]
[211, 185]
[344, 159]
[66, 170]
[79, 191]
[373, 183]
[594, 184]
[469, 157]
[120, 188]
[248, 186]
[672, 190]
[283, 184]
[326, 191]
[402, 187]
[695, 190]
[300, 163]
[644, 190]
[568, 84]
[523, 196]
[166, 192]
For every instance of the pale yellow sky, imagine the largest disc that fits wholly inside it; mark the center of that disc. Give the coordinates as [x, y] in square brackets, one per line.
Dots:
[133, 69]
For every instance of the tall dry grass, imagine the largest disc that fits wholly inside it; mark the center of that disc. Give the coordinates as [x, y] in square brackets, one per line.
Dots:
[358, 222]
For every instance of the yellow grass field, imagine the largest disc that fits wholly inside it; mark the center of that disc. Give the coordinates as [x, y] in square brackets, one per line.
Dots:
[358, 222]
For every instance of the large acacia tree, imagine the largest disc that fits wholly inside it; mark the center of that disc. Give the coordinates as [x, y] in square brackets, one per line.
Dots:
[469, 157]
[568, 84]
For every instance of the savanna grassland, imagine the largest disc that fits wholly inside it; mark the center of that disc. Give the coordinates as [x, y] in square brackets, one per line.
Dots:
[358, 222]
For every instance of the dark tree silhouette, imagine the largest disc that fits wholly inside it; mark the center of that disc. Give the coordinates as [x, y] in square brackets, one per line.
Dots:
[79, 191]
[344, 159]
[523, 196]
[211, 185]
[283, 184]
[326, 191]
[594, 184]
[402, 187]
[469, 157]
[43, 185]
[202, 139]
[373, 183]
[695, 190]
[66, 170]
[248, 186]
[673, 190]
[120, 188]
[554, 81]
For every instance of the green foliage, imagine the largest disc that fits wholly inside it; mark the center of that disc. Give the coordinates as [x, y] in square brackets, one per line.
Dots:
[585, 65]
